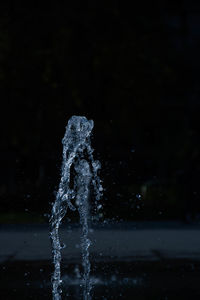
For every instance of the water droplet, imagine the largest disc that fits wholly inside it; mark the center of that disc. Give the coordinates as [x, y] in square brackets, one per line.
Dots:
[99, 206]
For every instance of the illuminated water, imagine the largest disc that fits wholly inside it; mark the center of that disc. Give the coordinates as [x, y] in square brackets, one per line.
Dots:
[79, 173]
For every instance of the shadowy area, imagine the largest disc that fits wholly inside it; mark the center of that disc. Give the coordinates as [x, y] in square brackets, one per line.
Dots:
[134, 72]
[172, 279]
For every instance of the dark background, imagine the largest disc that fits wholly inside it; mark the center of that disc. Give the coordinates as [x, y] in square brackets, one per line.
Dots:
[134, 71]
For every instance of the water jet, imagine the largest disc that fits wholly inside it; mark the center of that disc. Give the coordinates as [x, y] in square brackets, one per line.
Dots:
[73, 193]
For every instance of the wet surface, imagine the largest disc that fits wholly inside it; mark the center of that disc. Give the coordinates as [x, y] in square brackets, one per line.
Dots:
[138, 241]
[164, 279]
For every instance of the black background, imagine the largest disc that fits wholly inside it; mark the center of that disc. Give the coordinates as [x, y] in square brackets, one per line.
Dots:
[134, 71]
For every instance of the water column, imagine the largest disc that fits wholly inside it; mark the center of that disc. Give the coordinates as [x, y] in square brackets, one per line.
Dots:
[83, 180]
[77, 154]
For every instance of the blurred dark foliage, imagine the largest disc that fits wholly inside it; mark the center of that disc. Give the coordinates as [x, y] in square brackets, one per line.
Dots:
[135, 72]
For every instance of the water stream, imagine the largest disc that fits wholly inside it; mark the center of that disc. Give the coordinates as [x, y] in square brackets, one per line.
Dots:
[79, 173]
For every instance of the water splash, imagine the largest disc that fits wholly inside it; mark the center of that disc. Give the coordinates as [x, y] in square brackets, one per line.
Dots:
[77, 155]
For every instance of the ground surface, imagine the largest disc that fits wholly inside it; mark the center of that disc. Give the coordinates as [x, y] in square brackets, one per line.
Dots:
[134, 241]
[141, 261]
